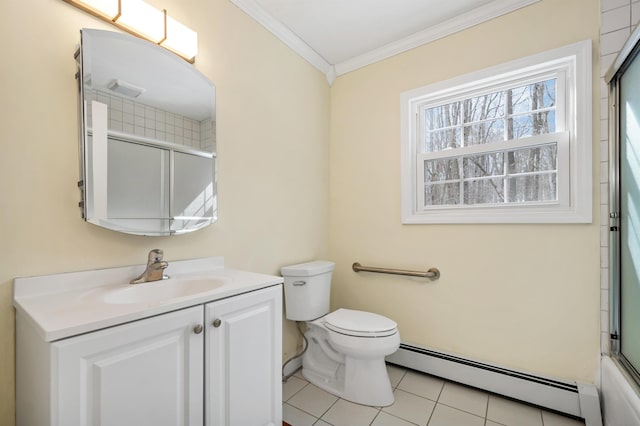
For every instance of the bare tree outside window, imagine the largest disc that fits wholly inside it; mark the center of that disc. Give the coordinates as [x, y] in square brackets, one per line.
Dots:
[502, 176]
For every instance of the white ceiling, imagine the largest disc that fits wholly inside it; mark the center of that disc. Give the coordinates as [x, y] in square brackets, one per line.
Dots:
[338, 36]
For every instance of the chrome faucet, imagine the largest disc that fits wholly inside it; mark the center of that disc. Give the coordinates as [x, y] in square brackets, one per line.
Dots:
[155, 268]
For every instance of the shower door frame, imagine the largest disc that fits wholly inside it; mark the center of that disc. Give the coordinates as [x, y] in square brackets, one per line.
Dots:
[629, 53]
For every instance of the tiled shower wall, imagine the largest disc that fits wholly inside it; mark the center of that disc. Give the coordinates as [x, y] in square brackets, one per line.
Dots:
[618, 20]
[128, 116]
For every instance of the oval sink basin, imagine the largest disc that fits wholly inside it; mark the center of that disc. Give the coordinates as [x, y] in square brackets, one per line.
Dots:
[159, 291]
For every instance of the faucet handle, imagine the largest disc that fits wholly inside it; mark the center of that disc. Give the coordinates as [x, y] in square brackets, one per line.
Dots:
[155, 255]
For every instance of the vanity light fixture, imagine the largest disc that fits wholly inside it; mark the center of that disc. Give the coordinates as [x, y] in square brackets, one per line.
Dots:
[145, 21]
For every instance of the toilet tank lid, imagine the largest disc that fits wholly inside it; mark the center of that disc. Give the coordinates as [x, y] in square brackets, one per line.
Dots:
[308, 269]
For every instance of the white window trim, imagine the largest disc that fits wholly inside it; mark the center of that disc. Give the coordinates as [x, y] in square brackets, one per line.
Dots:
[575, 60]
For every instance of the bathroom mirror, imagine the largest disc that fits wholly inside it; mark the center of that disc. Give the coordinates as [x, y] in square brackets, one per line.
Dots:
[148, 137]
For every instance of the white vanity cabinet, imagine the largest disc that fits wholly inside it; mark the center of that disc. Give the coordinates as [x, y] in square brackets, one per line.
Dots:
[214, 363]
[243, 357]
[147, 372]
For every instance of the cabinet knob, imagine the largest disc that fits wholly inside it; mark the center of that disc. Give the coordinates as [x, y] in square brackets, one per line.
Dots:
[217, 322]
[197, 329]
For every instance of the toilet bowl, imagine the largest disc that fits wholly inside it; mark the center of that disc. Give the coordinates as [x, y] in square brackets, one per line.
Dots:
[345, 348]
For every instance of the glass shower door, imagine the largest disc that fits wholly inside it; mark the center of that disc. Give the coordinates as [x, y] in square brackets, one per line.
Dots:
[629, 199]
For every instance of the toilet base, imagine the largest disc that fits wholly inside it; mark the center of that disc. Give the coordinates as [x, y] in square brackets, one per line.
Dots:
[364, 382]
[361, 380]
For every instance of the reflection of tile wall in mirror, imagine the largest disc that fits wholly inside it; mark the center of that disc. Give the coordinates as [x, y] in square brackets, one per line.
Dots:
[128, 116]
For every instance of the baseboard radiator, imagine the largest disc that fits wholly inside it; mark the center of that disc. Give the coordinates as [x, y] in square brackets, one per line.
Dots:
[576, 399]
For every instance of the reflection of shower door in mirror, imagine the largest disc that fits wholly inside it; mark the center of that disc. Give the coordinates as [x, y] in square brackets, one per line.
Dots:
[629, 196]
[138, 186]
[193, 196]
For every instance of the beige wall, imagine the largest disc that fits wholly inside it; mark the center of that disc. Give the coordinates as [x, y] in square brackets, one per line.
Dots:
[272, 109]
[522, 296]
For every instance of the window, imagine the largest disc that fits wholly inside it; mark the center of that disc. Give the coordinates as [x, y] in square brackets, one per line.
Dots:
[508, 144]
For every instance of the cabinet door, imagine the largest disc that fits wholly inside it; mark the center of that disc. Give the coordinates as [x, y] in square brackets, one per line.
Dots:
[147, 372]
[243, 381]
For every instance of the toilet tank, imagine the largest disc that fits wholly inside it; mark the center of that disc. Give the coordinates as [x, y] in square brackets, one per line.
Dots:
[307, 287]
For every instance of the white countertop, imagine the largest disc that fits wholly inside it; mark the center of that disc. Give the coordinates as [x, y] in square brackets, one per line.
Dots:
[65, 305]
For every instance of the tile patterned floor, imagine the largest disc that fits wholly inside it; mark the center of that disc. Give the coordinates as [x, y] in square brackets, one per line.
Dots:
[420, 399]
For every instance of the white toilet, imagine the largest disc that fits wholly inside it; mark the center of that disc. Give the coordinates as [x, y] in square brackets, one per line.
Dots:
[346, 348]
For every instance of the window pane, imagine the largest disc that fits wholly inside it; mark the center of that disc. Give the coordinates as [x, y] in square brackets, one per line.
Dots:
[441, 194]
[485, 107]
[441, 170]
[533, 159]
[491, 164]
[442, 139]
[484, 191]
[538, 123]
[540, 187]
[442, 116]
[484, 132]
[533, 96]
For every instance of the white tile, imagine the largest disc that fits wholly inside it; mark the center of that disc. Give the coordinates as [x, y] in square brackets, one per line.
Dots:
[635, 13]
[604, 215]
[447, 416]
[296, 417]
[395, 374]
[604, 342]
[292, 386]
[604, 300]
[604, 279]
[604, 88]
[490, 423]
[615, 19]
[321, 423]
[612, 42]
[313, 400]
[410, 407]
[128, 118]
[512, 413]
[116, 115]
[127, 107]
[604, 135]
[385, 419]
[604, 105]
[604, 149]
[604, 321]
[553, 419]
[116, 103]
[115, 125]
[345, 413]
[604, 172]
[604, 258]
[464, 398]
[604, 193]
[422, 385]
[604, 236]
[612, 4]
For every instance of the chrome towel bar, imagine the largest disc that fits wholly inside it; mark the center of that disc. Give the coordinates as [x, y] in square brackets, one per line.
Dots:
[432, 273]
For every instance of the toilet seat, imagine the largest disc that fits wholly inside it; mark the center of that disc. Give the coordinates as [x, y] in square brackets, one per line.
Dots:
[360, 323]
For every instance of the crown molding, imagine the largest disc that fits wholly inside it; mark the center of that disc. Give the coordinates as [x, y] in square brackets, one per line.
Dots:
[467, 20]
[482, 14]
[251, 8]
